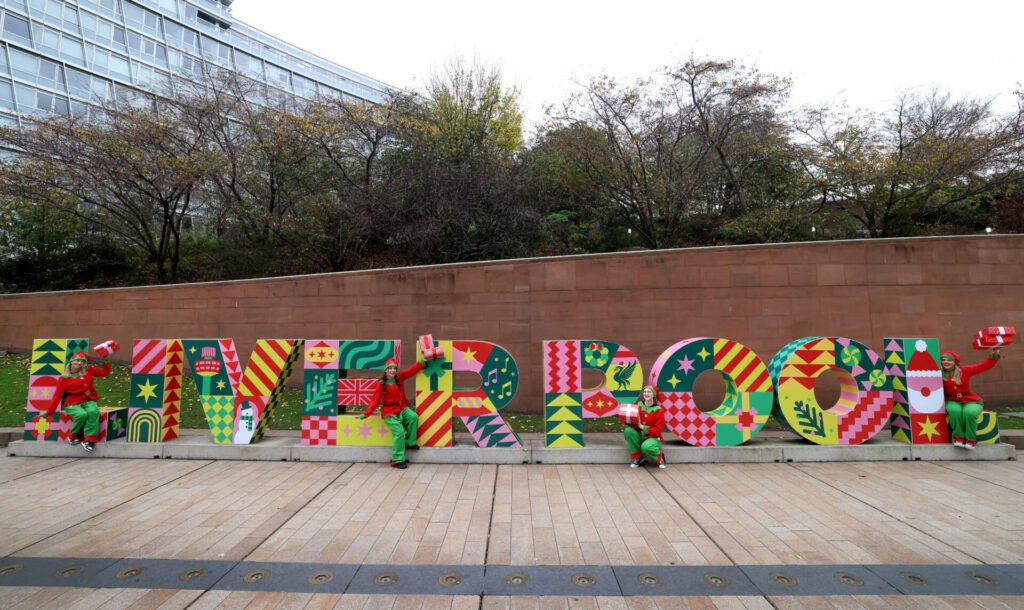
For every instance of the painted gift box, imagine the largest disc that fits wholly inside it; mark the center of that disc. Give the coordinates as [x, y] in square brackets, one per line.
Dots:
[629, 414]
[427, 348]
[999, 331]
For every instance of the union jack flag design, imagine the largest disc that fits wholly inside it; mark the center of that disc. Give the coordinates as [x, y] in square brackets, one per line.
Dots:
[356, 391]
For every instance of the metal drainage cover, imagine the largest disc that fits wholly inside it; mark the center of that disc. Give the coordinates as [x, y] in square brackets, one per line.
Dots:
[716, 580]
[783, 579]
[849, 579]
[132, 572]
[650, 580]
[11, 569]
[517, 580]
[584, 580]
[68, 572]
[320, 578]
[256, 576]
[917, 579]
[450, 579]
[385, 579]
[192, 574]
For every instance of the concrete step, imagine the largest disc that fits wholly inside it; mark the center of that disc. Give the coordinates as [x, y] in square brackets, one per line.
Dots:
[599, 449]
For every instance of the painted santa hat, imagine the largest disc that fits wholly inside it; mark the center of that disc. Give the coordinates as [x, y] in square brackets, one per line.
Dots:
[921, 363]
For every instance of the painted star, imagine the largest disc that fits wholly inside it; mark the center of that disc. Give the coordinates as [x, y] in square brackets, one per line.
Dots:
[365, 431]
[929, 428]
[703, 353]
[674, 381]
[220, 384]
[469, 355]
[192, 350]
[686, 365]
[146, 391]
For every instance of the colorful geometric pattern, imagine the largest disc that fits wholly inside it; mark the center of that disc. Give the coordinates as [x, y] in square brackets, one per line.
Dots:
[220, 415]
[263, 382]
[988, 428]
[173, 372]
[563, 364]
[748, 391]
[499, 376]
[46, 365]
[144, 426]
[491, 431]
[328, 397]
[369, 432]
[866, 396]
[929, 429]
[563, 420]
[318, 430]
[113, 423]
[434, 408]
[916, 390]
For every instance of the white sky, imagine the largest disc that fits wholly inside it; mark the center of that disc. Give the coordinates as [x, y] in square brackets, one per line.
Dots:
[864, 53]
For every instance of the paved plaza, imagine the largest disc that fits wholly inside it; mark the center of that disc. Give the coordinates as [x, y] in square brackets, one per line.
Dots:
[162, 533]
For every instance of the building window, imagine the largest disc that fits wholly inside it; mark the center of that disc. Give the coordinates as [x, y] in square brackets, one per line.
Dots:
[110, 8]
[17, 28]
[6, 95]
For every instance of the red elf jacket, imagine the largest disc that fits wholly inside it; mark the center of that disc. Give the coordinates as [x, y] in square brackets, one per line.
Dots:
[391, 396]
[77, 390]
[961, 392]
[652, 423]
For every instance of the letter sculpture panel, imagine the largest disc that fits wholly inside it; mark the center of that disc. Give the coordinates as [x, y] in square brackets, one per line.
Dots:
[748, 391]
[866, 395]
[567, 403]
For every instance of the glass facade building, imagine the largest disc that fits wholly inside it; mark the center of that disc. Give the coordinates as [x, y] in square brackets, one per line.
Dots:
[61, 56]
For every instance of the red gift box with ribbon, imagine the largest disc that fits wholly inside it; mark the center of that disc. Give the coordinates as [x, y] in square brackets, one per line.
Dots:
[629, 414]
[106, 348]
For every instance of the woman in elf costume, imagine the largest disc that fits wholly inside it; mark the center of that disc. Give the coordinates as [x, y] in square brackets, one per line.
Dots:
[962, 405]
[395, 410]
[75, 389]
[644, 441]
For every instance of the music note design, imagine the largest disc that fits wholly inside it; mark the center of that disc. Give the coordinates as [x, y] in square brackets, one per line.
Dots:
[504, 369]
[506, 390]
[492, 377]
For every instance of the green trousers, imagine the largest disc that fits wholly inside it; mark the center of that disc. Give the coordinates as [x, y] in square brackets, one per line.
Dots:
[650, 447]
[963, 418]
[85, 419]
[403, 432]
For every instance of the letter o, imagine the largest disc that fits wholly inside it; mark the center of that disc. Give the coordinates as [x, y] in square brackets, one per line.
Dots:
[748, 395]
[866, 394]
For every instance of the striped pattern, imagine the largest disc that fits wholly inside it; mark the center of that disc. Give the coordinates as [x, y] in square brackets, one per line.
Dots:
[282, 378]
[472, 403]
[434, 408]
[149, 356]
[268, 361]
[743, 365]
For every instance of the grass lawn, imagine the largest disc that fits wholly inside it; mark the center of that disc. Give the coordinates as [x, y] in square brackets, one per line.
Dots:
[113, 392]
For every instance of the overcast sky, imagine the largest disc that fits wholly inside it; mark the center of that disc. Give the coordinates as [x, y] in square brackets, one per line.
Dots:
[864, 53]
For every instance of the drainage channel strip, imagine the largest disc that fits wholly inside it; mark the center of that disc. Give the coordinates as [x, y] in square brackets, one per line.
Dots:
[768, 580]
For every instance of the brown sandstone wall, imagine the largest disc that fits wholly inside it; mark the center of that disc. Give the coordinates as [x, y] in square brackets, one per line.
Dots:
[762, 296]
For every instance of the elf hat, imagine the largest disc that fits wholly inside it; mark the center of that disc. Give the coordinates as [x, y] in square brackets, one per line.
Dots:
[955, 356]
[79, 356]
[391, 363]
